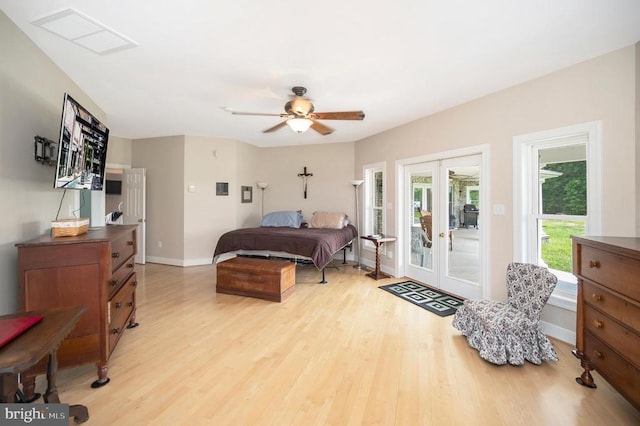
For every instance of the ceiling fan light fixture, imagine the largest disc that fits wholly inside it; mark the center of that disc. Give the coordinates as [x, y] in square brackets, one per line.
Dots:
[299, 125]
[301, 106]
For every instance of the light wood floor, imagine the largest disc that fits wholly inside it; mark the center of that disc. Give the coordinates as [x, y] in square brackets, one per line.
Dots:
[345, 353]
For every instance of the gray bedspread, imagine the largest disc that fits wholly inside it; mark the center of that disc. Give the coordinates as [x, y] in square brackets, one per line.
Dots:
[318, 244]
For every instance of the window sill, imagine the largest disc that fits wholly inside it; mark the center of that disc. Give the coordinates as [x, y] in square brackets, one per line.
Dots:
[564, 296]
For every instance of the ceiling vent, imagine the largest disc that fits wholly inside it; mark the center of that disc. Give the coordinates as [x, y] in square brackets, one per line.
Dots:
[85, 31]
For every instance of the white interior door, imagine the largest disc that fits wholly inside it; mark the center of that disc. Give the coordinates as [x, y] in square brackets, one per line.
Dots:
[134, 206]
[441, 250]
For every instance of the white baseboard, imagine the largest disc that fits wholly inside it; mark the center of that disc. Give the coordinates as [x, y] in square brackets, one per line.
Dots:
[564, 334]
[197, 262]
[164, 261]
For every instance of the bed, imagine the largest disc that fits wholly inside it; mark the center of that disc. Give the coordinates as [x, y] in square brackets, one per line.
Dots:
[316, 244]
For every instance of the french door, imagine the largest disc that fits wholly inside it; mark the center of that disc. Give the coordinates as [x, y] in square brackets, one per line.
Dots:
[442, 224]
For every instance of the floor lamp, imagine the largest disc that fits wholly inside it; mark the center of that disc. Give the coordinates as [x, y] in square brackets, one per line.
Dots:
[356, 184]
[262, 186]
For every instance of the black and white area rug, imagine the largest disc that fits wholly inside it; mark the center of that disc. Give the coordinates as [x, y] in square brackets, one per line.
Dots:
[426, 297]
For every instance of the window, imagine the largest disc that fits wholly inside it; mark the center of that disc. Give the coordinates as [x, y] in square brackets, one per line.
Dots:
[556, 195]
[374, 199]
[421, 196]
[473, 195]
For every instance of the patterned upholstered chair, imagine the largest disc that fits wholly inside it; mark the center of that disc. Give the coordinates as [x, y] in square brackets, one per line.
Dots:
[510, 331]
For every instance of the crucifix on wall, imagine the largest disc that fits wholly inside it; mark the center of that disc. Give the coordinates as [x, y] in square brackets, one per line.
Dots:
[305, 176]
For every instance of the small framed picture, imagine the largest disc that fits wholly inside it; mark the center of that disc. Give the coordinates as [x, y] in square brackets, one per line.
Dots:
[246, 194]
[222, 188]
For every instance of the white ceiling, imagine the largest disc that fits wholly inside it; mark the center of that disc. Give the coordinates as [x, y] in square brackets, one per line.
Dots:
[395, 60]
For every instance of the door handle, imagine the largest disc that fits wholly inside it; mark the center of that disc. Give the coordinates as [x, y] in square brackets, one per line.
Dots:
[442, 235]
[140, 220]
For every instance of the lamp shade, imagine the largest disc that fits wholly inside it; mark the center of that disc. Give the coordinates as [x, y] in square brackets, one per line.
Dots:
[262, 185]
[299, 125]
[356, 182]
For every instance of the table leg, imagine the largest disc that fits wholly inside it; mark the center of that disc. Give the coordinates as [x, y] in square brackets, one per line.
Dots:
[376, 274]
[29, 387]
[80, 413]
[8, 388]
[51, 395]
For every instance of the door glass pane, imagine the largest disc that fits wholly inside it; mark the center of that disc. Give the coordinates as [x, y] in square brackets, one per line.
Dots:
[463, 233]
[420, 210]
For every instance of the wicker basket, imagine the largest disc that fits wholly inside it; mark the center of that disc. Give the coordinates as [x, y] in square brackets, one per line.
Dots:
[69, 227]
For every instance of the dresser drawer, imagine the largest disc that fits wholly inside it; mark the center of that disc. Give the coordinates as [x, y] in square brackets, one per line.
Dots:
[120, 308]
[122, 249]
[121, 275]
[622, 375]
[616, 307]
[618, 337]
[611, 270]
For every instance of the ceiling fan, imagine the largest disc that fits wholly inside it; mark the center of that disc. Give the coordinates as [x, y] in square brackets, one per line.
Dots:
[300, 115]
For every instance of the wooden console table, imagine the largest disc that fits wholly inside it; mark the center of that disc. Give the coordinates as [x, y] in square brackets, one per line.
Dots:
[34, 344]
[377, 274]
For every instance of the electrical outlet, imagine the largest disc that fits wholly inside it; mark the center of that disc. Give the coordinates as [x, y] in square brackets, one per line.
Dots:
[160, 244]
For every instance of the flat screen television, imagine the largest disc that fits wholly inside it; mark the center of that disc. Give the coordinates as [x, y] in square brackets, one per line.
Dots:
[113, 187]
[82, 148]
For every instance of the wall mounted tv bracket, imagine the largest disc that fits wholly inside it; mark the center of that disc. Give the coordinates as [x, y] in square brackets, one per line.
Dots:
[45, 151]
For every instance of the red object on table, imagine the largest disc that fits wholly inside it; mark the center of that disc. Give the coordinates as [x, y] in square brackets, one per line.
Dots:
[11, 328]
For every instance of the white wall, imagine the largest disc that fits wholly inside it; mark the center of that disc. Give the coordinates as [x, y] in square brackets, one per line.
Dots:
[163, 159]
[194, 221]
[31, 94]
[329, 189]
[207, 215]
[600, 89]
[606, 88]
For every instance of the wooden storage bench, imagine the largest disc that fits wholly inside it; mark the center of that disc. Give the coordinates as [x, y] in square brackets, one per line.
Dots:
[255, 277]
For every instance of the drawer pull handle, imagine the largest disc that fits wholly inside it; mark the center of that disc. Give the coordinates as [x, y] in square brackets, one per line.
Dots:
[130, 265]
[596, 297]
[598, 324]
[594, 264]
[118, 305]
[598, 354]
[135, 283]
[115, 254]
[130, 242]
[116, 330]
[113, 282]
[130, 304]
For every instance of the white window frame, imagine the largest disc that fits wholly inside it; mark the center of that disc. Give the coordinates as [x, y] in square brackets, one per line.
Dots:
[525, 197]
[368, 173]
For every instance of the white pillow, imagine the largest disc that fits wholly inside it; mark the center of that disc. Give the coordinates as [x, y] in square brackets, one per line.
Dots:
[331, 220]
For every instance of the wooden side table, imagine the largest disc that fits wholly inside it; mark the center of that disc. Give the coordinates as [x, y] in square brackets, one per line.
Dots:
[377, 274]
[31, 346]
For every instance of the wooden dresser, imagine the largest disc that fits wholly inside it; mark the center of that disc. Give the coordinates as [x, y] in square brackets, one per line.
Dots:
[97, 270]
[608, 314]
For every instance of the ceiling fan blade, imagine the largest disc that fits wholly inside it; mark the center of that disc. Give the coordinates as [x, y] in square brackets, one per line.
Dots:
[276, 127]
[321, 128]
[344, 115]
